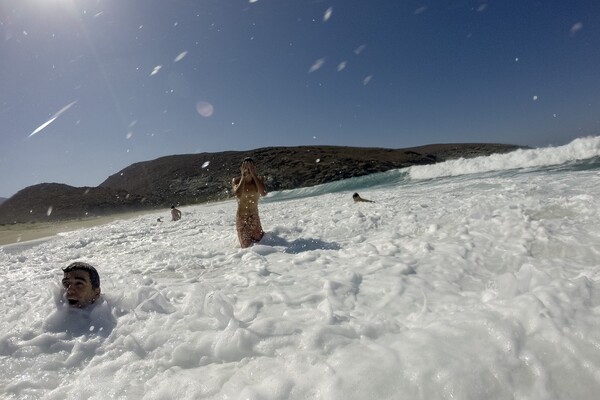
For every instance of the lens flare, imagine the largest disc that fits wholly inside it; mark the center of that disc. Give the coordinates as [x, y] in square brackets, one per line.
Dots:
[205, 109]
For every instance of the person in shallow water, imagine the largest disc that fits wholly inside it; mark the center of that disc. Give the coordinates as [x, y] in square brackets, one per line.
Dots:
[248, 188]
[175, 214]
[357, 199]
[81, 283]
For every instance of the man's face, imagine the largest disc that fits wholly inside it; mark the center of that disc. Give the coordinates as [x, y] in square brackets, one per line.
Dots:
[78, 288]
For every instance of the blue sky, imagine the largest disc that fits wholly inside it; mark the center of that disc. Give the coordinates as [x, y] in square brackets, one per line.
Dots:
[151, 78]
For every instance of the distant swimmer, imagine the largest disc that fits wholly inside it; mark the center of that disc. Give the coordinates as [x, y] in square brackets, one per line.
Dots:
[248, 188]
[357, 199]
[81, 283]
[175, 214]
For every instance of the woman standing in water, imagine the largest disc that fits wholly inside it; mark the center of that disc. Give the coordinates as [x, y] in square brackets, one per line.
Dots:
[248, 188]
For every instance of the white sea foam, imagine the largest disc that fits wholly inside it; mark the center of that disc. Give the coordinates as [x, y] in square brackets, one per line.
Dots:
[484, 287]
[579, 149]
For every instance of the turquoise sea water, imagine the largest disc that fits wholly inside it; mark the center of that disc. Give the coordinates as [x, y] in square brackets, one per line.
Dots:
[579, 157]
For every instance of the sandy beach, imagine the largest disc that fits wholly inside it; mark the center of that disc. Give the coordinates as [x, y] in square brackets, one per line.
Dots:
[10, 234]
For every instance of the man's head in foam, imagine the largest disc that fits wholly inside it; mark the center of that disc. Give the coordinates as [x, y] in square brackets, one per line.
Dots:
[81, 283]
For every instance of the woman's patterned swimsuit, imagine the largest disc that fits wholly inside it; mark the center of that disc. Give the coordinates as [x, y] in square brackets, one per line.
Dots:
[249, 229]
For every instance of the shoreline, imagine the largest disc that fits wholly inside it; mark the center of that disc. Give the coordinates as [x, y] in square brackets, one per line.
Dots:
[27, 232]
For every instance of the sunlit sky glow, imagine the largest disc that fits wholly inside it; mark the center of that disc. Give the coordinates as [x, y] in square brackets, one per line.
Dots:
[127, 81]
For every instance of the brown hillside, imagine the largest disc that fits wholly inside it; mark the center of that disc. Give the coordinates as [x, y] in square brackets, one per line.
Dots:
[49, 202]
[181, 178]
[196, 178]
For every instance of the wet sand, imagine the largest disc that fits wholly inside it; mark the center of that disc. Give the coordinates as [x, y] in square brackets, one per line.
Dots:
[10, 234]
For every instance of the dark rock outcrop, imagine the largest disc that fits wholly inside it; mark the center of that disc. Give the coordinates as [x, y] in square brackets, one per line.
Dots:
[197, 178]
[48, 202]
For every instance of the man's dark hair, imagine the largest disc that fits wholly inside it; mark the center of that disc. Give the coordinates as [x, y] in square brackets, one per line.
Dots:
[355, 195]
[249, 159]
[81, 266]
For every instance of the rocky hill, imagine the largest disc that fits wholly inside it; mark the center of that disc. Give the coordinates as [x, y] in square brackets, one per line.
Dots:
[55, 201]
[197, 178]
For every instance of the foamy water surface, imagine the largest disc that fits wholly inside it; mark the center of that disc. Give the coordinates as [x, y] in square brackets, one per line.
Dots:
[478, 286]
